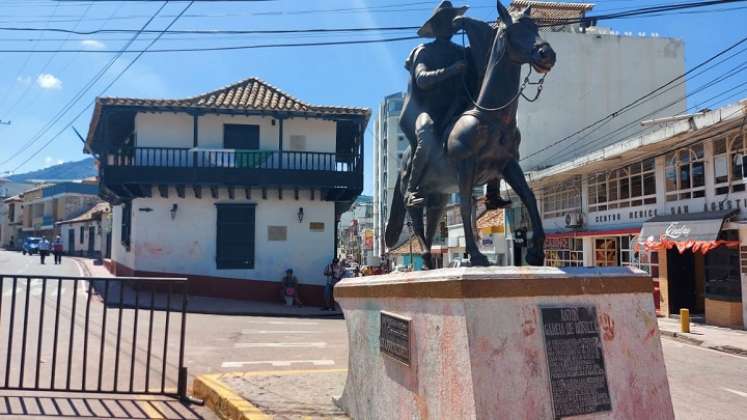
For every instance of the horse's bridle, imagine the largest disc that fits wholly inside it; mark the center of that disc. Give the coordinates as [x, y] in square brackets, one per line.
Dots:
[519, 92]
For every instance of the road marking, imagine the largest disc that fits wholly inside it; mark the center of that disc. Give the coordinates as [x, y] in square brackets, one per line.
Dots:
[80, 269]
[278, 332]
[282, 322]
[734, 391]
[264, 345]
[278, 363]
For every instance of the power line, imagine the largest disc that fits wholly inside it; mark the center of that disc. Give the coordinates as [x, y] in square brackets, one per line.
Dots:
[637, 101]
[81, 92]
[103, 91]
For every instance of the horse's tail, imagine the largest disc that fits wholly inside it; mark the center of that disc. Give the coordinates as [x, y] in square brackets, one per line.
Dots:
[397, 213]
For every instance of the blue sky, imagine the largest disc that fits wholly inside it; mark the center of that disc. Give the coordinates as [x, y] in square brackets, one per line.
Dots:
[35, 87]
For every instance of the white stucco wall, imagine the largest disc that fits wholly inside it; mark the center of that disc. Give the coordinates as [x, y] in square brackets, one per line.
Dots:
[596, 75]
[210, 130]
[187, 244]
[80, 246]
[166, 129]
[163, 129]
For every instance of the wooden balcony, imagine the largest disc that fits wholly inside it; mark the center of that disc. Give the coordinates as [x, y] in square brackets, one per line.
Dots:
[240, 168]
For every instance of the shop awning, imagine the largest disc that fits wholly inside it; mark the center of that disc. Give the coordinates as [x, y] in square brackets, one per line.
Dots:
[695, 231]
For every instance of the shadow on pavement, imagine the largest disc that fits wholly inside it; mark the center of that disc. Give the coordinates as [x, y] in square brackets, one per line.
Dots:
[28, 406]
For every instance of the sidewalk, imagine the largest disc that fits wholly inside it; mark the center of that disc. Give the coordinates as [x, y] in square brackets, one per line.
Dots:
[218, 306]
[279, 395]
[716, 338]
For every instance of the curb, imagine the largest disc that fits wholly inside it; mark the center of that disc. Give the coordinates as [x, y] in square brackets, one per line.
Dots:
[696, 342]
[230, 406]
[223, 401]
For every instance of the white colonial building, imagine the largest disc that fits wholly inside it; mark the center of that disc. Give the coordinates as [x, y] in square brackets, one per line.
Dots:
[229, 188]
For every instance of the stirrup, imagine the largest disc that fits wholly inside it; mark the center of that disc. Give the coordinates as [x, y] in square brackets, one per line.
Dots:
[414, 199]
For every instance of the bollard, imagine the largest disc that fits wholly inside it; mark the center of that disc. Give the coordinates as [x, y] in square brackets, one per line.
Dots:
[685, 320]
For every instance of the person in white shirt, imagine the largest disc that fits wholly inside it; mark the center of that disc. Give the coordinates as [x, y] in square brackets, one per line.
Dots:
[44, 247]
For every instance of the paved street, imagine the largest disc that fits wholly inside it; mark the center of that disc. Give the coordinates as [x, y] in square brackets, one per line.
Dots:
[704, 383]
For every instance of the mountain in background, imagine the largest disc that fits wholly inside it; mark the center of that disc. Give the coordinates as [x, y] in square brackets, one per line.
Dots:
[65, 171]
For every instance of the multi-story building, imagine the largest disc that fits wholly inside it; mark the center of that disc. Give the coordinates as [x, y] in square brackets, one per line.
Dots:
[389, 145]
[672, 202]
[10, 211]
[47, 204]
[229, 188]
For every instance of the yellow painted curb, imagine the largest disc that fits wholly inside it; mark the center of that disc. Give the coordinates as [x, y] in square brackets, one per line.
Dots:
[223, 401]
[230, 406]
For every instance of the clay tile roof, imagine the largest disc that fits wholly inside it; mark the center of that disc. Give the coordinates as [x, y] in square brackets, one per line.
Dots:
[547, 12]
[250, 94]
[491, 218]
[404, 248]
[90, 214]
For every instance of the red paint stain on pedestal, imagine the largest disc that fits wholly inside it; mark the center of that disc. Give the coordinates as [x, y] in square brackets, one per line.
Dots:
[608, 327]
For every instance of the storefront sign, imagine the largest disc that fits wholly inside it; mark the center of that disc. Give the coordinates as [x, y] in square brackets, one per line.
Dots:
[578, 380]
[676, 230]
[394, 337]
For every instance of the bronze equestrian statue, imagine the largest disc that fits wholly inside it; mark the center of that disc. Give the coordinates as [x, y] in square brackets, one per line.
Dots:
[460, 142]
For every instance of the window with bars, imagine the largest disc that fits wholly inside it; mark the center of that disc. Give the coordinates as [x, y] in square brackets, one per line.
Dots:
[685, 173]
[559, 200]
[728, 155]
[126, 225]
[564, 252]
[629, 186]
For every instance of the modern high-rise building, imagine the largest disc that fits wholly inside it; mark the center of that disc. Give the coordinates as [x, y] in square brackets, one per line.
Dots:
[389, 144]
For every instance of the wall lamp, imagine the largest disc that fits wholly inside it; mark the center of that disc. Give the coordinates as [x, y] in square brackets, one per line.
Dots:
[173, 210]
[300, 215]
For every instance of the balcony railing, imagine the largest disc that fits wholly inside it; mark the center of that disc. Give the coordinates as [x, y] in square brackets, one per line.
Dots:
[161, 157]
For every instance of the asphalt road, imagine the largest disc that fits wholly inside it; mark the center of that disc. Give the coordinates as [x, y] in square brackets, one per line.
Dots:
[705, 384]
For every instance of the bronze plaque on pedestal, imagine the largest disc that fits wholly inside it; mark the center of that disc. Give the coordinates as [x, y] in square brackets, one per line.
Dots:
[578, 380]
[394, 337]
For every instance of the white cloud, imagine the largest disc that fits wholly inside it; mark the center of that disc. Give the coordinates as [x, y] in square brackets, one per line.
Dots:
[92, 43]
[48, 81]
[24, 80]
[48, 160]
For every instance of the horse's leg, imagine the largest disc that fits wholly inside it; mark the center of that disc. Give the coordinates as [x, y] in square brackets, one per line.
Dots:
[418, 229]
[513, 174]
[435, 210]
[466, 182]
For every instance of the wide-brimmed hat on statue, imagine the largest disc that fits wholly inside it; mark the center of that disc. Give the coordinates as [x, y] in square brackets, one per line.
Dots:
[446, 11]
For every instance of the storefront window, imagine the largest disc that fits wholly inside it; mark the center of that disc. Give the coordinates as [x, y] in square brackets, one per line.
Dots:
[722, 278]
[633, 185]
[685, 173]
[727, 164]
[564, 252]
[560, 199]
[606, 252]
[642, 259]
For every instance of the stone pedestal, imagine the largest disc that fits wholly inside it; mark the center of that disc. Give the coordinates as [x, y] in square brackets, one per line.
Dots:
[503, 343]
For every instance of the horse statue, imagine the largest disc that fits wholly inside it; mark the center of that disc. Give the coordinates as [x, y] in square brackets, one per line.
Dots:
[481, 145]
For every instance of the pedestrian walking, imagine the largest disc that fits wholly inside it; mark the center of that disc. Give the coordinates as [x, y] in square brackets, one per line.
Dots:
[44, 247]
[330, 271]
[57, 250]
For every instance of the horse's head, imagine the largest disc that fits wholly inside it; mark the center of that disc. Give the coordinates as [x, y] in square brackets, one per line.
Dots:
[524, 45]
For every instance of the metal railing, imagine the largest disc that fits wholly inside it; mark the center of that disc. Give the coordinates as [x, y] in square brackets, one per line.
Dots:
[164, 157]
[82, 334]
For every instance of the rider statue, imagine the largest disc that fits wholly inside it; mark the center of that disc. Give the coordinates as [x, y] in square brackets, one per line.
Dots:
[435, 95]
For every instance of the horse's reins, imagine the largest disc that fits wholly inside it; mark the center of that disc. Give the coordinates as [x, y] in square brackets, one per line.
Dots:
[519, 92]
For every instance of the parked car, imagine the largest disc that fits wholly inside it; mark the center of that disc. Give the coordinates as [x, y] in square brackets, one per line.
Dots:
[30, 246]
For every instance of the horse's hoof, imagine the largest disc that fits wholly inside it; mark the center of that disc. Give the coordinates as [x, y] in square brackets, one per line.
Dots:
[478, 261]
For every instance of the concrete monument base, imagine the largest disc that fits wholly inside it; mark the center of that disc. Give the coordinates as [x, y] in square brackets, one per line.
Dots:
[503, 343]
